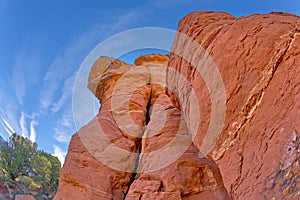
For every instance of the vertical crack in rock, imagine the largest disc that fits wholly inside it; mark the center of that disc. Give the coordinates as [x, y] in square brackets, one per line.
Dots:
[139, 146]
[134, 173]
[148, 109]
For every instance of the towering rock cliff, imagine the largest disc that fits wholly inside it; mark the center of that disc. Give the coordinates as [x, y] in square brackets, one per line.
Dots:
[217, 119]
[258, 58]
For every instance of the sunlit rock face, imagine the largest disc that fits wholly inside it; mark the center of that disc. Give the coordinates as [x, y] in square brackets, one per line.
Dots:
[138, 146]
[218, 118]
[258, 58]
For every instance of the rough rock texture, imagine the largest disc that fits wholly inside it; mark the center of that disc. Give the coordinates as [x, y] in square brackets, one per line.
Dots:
[154, 119]
[128, 150]
[83, 175]
[258, 57]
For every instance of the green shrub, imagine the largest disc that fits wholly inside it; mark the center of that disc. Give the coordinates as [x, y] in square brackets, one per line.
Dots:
[11, 183]
[29, 182]
[16, 192]
[23, 166]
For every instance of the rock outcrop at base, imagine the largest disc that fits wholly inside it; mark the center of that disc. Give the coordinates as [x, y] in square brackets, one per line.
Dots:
[219, 118]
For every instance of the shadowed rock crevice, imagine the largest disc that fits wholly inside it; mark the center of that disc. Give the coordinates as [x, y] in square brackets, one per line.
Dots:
[148, 117]
[139, 147]
[134, 172]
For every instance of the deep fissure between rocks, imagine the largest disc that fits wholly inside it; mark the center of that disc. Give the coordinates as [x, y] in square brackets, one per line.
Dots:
[138, 145]
[134, 173]
[148, 109]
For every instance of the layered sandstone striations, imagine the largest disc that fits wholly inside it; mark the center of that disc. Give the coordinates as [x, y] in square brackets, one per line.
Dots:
[258, 58]
[138, 146]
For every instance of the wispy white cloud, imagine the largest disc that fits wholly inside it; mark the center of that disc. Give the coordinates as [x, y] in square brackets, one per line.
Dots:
[65, 125]
[7, 130]
[66, 119]
[10, 112]
[66, 94]
[22, 122]
[33, 123]
[70, 59]
[24, 71]
[124, 20]
[18, 80]
[60, 154]
[52, 82]
[61, 135]
[8, 127]
[7, 109]
[61, 68]
[13, 90]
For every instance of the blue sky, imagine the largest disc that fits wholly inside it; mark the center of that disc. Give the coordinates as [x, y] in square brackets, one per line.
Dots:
[43, 43]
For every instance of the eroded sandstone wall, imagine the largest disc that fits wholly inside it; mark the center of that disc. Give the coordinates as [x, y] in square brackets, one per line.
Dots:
[258, 58]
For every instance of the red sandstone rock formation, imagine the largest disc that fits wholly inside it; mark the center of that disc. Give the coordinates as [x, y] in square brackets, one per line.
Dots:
[233, 92]
[257, 56]
[138, 146]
